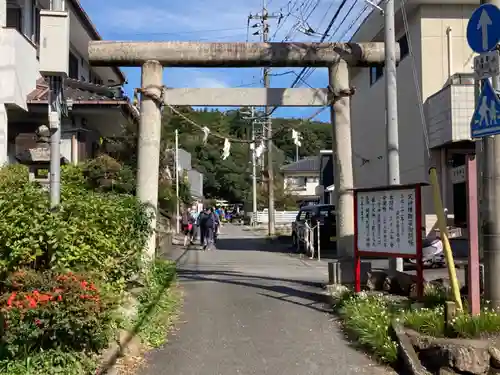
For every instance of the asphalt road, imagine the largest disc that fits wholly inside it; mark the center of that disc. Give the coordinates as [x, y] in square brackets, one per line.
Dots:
[250, 309]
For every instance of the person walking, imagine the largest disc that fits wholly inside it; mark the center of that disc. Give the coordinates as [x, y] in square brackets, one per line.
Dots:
[196, 229]
[187, 226]
[216, 220]
[207, 222]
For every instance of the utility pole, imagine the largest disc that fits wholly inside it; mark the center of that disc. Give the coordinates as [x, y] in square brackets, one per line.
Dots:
[177, 205]
[252, 118]
[490, 177]
[55, 115]
[254, 169]
[391, 102]
[264, 17]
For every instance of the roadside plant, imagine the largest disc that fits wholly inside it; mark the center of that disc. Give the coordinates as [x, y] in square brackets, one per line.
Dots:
[101, 231]
[368, 319]
[64, 311]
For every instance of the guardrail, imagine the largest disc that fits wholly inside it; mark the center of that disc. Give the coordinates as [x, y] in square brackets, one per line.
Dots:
[280, 217]
[309, 237]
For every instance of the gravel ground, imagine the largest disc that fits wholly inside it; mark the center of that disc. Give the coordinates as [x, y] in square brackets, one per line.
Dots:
[250, 309]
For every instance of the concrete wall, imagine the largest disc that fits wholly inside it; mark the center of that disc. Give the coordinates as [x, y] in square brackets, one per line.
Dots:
[428, 39]
[18, 67]
[184, 160]
[195, 179]
[435, 20]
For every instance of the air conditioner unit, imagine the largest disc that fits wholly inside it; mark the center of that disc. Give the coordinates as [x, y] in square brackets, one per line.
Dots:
[54, 43]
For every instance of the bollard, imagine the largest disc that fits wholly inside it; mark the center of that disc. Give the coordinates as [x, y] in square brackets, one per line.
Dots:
[319, 242]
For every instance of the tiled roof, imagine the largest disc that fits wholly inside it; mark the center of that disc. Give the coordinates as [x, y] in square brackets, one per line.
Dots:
[80, 92]
[308, 164]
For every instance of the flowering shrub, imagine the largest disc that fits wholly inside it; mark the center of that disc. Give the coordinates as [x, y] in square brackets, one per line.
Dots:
[43, 311]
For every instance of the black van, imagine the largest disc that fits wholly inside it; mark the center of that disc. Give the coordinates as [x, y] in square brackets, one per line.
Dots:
[326, 215]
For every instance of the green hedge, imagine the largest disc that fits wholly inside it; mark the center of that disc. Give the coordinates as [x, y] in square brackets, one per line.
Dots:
[101, 231]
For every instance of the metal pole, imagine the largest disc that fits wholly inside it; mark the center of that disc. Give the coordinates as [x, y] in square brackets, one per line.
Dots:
[177, 205]
[342, 154]
[296, 152]
[490, 205]
[318, 227]
[148, 158]
[55, 104]
[393, 176]
[254, 169]
[270, 177]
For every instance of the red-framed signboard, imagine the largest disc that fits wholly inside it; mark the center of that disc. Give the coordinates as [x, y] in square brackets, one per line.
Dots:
[387, 223]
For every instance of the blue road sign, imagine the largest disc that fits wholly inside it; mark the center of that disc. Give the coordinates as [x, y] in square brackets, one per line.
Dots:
[483, 29]
[486, 118]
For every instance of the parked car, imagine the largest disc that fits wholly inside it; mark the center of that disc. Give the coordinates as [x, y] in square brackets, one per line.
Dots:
[326, 216]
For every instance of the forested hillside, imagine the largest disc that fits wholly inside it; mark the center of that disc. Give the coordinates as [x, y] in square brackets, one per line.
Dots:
[230, 179]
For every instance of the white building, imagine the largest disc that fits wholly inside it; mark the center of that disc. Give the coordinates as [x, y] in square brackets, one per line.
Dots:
[97, 106]
[302, 178]
[435, 68]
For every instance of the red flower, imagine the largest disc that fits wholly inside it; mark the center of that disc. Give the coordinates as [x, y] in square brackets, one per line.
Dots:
[31, 301]
[11, 299]
[38, 322]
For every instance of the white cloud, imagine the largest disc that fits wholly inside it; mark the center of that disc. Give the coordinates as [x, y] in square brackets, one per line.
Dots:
[204, 78]
[209, 82]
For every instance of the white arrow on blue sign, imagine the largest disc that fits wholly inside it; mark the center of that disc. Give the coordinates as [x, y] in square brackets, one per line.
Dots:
[483, 29]
[486, 118]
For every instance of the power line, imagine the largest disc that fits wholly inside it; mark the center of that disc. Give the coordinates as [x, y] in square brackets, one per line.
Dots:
[325, 34]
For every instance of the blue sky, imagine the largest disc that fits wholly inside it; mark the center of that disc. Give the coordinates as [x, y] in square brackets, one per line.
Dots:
[223, 20]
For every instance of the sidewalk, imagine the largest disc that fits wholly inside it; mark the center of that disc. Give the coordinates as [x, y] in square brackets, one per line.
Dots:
[252, 310]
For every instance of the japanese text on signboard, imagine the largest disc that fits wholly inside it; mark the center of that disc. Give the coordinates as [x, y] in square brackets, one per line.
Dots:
[387, 221]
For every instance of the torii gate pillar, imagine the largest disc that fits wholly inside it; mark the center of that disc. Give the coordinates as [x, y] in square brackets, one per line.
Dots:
[342, 159]
[148, 155]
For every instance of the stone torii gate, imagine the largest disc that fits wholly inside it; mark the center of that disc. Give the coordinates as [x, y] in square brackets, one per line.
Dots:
[153, 56]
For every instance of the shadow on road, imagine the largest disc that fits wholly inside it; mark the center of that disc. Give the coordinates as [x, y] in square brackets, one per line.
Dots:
[302, 295]
[252, 244]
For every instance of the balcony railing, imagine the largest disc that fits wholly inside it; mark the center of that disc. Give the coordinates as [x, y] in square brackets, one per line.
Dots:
[18, 68]
[448, 112]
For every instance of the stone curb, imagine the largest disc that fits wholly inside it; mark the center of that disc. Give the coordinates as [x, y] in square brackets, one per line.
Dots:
[406, 352]
[116, 350]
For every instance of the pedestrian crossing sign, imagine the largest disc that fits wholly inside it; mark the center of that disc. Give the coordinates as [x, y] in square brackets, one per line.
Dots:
[486, 119]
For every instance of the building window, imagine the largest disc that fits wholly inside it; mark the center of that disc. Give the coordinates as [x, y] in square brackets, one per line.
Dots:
[36, 26]
[375, 73]
[403, 47]
[73, 66]
[14, 16]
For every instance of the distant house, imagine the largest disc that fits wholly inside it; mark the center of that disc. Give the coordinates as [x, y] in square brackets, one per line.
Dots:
[194, 177]
[96, 105]
[326, 181]
[302, 178]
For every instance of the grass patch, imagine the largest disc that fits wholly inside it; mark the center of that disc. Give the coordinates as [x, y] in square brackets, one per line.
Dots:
[159, 304]
[52, 362]
[367, 317]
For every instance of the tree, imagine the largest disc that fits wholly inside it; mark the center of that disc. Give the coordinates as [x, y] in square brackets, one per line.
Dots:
[228, 179]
